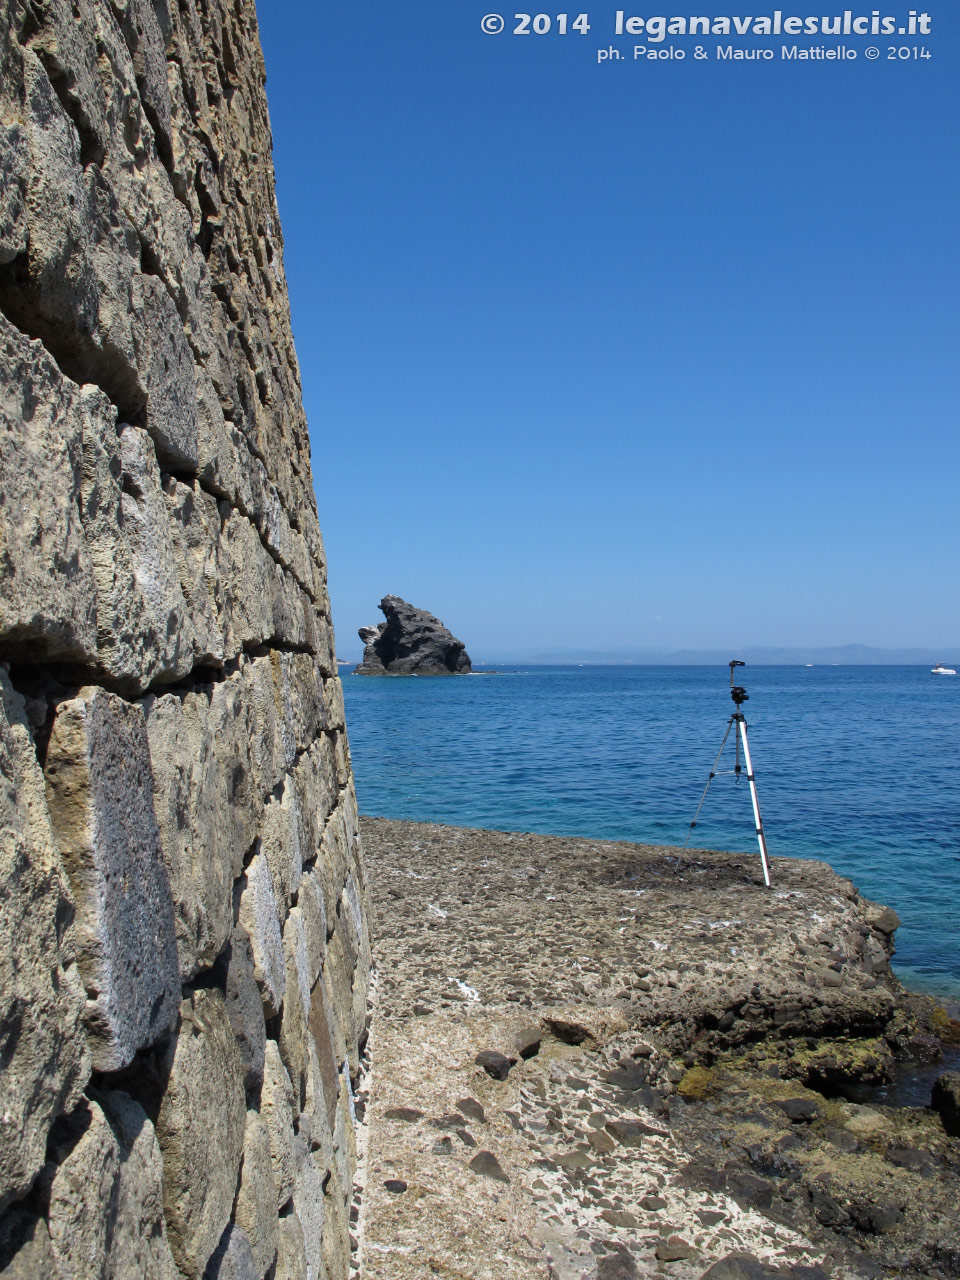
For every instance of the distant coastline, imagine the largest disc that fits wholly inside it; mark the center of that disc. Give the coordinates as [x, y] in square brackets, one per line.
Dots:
[849, 655]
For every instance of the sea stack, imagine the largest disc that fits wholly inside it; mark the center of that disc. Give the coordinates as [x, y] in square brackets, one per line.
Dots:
[411, 642]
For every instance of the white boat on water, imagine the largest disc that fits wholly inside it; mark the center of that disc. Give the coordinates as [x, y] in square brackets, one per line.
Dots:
[941, 670]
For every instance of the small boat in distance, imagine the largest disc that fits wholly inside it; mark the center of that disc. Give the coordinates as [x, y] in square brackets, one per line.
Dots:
[941, 670]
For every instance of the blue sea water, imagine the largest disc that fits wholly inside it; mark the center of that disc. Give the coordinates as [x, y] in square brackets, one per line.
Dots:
[856, 765]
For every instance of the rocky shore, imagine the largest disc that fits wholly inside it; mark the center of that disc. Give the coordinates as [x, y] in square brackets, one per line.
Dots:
[588, 1067]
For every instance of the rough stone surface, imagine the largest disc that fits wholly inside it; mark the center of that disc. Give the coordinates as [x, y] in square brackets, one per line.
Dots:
[202, 1112]
[244, 1007]
[178, 825]
[188, 805]
[45, 1062]
[945, 1100]
[233, 1258]
[138, 1245]
[309, 1205]
[259, 918]
[256, 1208]
[672, 1116]
[84, 1195]
[294, 1032]
[277, 1109]
[48, 598]
[103, 1186]
[26, 1252]
[100, 797]
[410, 642]
[291, 1253]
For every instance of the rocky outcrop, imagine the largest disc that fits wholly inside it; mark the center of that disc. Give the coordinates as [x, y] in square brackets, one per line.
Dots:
[611, 1070]
[184, 956]
[411, 642]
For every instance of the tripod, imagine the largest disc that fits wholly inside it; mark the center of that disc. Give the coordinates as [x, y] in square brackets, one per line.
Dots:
[738, 723]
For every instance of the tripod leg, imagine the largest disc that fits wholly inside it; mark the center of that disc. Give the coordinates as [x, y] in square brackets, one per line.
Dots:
[713, 774]
[761, 838]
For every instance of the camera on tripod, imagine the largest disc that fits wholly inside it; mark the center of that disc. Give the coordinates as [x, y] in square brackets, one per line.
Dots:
[737, 692]
[737, 723]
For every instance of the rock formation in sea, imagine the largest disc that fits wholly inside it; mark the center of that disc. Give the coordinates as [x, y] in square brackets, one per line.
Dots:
[183, 952]
[411, 642]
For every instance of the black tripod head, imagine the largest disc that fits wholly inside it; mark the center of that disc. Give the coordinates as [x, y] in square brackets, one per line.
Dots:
[737, 692]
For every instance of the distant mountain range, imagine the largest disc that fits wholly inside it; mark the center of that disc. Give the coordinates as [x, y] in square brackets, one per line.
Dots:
[845, 655]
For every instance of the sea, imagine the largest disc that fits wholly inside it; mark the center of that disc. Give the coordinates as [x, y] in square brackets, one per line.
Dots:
[854, 765]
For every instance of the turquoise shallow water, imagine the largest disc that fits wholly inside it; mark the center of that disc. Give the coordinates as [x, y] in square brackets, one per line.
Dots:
[857, 765]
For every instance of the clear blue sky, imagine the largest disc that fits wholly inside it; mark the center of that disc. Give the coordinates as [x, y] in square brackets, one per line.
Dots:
[631, 354]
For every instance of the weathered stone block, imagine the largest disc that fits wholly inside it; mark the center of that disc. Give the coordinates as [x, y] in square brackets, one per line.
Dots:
[71, 63]
[221, 454]
[244, 1007]
[314, 1122]
[216, 758]
[247, 571]
[322, 1032]
[256, 1207]
[317, 792]
[344, 1131]
[340, 968]
[48, 600]
[239, 798]
[45, 1062]
[341, 761]
[336, 1227]
[146, 530]
[13, 191]
[259, 917]
[74, 288]
[272, 749]
[309, 1203]
[353, 911]
[138, 1238]
[312, 908]
[25, 1249]
[147, 43]
[100, 796]
[291, 1252]
[294, 1034]
[332, 861]
[276, 1109]
[298, 695]
[233, 1258]
[333, 703]
[280, 844]
[200, 1128]
[194, 522]
[188, 802]
[84, 1195]
[166, 368]
[140, 632]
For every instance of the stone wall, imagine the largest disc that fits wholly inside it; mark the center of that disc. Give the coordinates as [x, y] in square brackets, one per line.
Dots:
[183, 950]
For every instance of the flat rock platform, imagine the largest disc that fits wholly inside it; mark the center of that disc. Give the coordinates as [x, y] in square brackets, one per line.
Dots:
[585, 1065]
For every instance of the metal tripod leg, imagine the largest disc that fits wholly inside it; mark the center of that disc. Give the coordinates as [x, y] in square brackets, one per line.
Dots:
[761, 838]
[713, 774]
